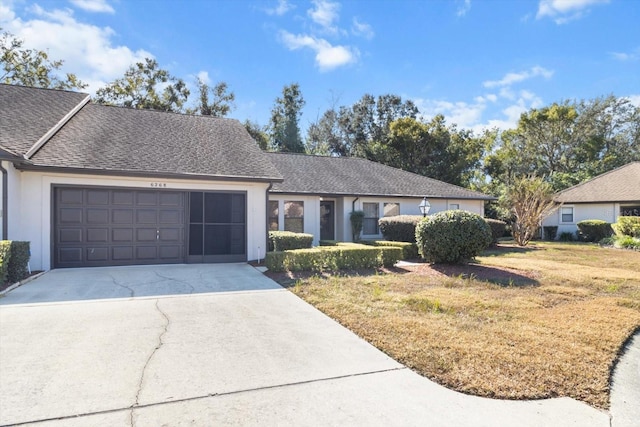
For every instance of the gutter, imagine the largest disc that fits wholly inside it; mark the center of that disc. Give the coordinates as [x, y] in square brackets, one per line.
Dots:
[266, 214]
[5, 202]
[43, 140]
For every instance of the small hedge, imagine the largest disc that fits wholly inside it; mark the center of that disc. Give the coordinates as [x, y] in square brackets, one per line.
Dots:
[550, 232]
[287, 240]
[498, 228]
[14, 261]
[399, 228]
[452, 236]
[566, 236]
[5, 256]
[627, 226]
[409, 250]
[594, 230]
[333, 258]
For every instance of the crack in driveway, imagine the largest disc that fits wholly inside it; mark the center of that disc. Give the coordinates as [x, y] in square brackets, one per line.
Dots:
[177, 280]
[144, 368]
[115, 282]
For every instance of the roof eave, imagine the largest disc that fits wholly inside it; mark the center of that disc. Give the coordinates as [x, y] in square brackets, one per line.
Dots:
[148, 174]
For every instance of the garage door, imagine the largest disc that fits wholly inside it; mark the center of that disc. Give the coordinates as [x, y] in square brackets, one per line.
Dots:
[109, 226]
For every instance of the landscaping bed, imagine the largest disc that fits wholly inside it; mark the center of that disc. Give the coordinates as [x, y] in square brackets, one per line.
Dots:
[521, 323]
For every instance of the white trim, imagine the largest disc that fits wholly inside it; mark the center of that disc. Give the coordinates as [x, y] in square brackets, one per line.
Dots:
[43, 140]
[573, 214]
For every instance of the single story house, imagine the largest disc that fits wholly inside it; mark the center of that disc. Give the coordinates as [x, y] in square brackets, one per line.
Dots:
[605, 197]
[93, 185]
[318, 193]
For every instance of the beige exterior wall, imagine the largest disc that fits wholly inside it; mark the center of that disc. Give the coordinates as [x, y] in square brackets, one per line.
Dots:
[583, 211]
[30, 206]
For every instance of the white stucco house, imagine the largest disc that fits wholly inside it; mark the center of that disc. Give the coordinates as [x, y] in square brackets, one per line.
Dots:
[605, 197]
[93, 185]
[318, 193]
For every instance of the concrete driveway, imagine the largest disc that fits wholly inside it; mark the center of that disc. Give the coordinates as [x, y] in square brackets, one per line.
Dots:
[246, 352]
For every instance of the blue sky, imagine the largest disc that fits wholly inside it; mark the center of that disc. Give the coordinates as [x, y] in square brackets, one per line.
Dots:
[479, 62]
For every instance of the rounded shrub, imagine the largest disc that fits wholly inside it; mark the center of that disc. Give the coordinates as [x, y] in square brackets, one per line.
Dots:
[594, 230]
[498, 228]
[452, 237]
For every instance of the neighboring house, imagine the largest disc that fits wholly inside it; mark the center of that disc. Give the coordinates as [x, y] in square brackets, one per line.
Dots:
[605, 197]
[318, 194]
[93, 185]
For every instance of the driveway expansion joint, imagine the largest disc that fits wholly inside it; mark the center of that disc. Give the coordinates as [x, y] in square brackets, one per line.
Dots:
[144, 368]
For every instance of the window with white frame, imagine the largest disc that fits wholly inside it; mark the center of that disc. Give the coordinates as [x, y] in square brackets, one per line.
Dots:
[391, 209]
[566, 214]
[294, 216]
[371, 217]
[273, 215]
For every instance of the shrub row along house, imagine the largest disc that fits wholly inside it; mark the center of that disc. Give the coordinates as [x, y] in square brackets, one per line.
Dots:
[605, 197]
[93, 185]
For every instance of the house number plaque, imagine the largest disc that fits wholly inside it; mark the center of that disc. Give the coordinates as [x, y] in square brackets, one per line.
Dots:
[159, 184]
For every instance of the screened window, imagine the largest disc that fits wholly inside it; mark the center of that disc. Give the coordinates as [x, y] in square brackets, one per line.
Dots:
[294, 216]
[371, 217]
[630, 211]
[566, 214]
[454, 206]
[391, 209]
[273, 215]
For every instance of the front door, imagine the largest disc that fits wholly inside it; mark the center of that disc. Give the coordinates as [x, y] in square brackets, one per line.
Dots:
[327, 220]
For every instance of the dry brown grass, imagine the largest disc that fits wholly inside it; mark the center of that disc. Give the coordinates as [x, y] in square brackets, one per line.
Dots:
[553, 325]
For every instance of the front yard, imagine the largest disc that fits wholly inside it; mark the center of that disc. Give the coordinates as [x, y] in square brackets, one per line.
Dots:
[522, 323]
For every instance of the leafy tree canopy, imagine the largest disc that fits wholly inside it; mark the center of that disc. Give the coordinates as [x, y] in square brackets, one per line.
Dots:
[145, 86]
[32, 67]
[222, 100]
[284, 129]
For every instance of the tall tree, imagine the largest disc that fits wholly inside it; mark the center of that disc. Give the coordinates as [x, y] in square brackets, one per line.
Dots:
[258, 133]
[32, 67]
[145, 86]
[284, 129]
[222, 101]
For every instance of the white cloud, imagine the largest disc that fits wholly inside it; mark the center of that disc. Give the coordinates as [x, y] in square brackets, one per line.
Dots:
[325, 13]
[362, 29]
[204, 77]
[634, 99]
[328, 57]
[512, 78]
[634, 55]
[463, 8]
[87, 50]
[563, 11]
[280, 9]
[463, 114]
[99, 6]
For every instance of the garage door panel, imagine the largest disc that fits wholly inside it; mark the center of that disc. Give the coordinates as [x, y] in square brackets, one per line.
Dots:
[146, 252]
[168, 253]
[170, 216]
[146, 198]
[97, 216]
[70, 235]
[122, 234]
[71, 196]
[71, 216]
[122, 253]
[170, 199]
[98, 254]
[170, 235]
[122, 216]
[97, 235]
[146, 216]
[70, 255]
[146, 234]
[97, 197]
[122, 197]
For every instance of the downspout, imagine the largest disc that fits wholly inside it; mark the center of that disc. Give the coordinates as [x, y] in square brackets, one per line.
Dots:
[353, 204]
[266, 214]
[5, 202]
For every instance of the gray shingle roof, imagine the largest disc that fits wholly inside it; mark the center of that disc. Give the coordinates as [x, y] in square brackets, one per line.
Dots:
[618, 185]
[26, 114]
[358, 177]
[125, 140]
